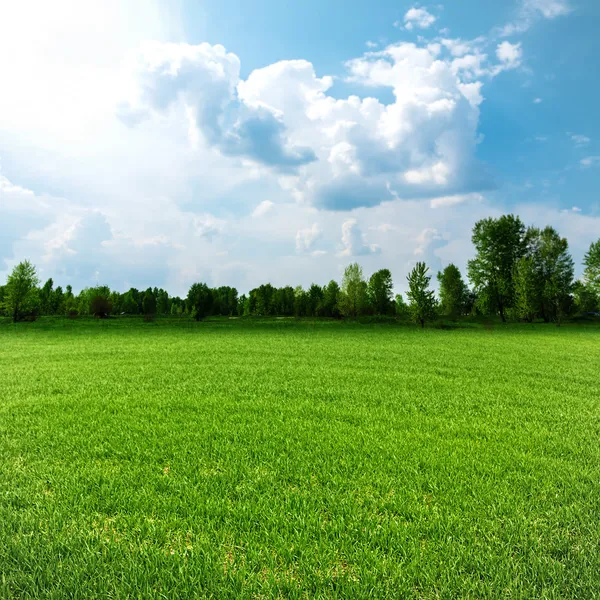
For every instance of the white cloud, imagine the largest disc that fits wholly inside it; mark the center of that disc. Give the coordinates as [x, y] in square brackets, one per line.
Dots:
[173, 169]
[549, 9]
[306, 238]
[354, 242]
[537, 101]
[530, 11]
[580, 140]
[509, 55]
[263, 208]
[425, 238]
[418, 17]
[590, 161]
[456, 199]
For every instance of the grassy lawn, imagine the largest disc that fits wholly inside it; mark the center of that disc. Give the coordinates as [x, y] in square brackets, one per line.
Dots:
[257, 460]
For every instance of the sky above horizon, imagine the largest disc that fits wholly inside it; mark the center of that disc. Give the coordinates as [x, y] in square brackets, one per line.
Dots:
[160, 143]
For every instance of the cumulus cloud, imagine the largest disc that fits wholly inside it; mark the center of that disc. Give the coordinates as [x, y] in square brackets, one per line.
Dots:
[509, 55]
[205, 78]
[425, 238]
[174, 169]
[306, 238]
[334, 153]
[354, 242]
[418, 17]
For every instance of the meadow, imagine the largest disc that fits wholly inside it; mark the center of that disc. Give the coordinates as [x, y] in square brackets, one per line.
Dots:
[248, 459]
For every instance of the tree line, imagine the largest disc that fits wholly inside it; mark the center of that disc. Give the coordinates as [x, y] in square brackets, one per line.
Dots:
[518, 272]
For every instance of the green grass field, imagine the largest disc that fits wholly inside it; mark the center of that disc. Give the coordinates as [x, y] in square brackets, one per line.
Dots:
[255, 460]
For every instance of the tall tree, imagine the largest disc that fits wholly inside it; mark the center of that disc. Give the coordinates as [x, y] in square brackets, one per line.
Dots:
[585, 298]
[380, 292]
[453, 291]
[557, 271]
[20, 293]
[200, 300]
[162, 302]
[46, 293]
[592, 267]
[499, 243]
[353, 295]
[401, 307]
[58, 301]
[315, 300]
[330, 299]
[526, 289]
[422, 302]
[149, 304]
[300, 302]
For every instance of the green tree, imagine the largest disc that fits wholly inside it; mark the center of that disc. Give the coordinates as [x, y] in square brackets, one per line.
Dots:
[2, 294]
[526, 289]
[422, 302]
[98, 301]
[315, 300]
[401, 307]
[300, 302]
[499, 243]
[331, 294]
[557, 271]
[46, 294]
[592, 268]
[58, 301]
[200, 301]
[149, 304]
[380, 292]
[21, 297]
[162, 302]
[70, 302]
[453, 291]
[585, 298]
[353, 295]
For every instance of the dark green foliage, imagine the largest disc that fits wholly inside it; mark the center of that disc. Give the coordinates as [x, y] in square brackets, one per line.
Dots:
[315, 301]
[526, 289]
[21, 297]
[453, 292]
[283, 301]
[499, 244]
[149, 304]
[162, 302]
[585, 299]
[380, 292]
[225, 301]
[331, 294]
[100, 305]
[200, 301]
[46, 297]
[592, 268]
[401, 308]
[300, 302]
[543, 277]
[422, 302]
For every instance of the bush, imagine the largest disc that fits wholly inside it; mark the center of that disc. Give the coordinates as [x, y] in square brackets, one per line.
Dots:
[100, 306]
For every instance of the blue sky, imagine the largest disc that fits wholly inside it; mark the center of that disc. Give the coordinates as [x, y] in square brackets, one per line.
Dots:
[162, 143]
